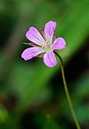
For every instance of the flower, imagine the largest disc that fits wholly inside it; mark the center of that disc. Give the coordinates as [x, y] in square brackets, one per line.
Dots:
[43, 43]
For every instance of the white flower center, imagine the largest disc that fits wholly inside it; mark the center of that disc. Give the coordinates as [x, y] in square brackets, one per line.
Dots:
[47, 46]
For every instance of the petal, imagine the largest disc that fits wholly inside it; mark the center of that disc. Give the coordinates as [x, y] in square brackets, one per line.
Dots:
[34, 36]
[31, 52]
[49, 30]
[59, 43]
[50, 59]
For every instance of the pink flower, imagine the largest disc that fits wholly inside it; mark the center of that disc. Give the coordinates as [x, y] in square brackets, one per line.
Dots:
[43, 43]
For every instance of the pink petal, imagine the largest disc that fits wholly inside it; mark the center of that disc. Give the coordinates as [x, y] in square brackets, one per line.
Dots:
[34, 36]
[49, 30]
[31, 52]
[59, 43]
[50, 59]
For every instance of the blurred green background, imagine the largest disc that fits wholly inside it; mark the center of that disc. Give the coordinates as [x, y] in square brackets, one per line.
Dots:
[32, 95]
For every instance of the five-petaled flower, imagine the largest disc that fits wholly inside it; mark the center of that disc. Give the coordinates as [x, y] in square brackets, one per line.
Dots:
[43, 43]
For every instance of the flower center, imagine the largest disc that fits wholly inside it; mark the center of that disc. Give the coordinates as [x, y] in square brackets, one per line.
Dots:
[46, 44]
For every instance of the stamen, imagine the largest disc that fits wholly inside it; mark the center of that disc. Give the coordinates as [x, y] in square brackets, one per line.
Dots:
[45, 44]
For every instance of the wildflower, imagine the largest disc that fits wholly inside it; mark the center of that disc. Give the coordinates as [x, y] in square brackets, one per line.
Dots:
[43, 44]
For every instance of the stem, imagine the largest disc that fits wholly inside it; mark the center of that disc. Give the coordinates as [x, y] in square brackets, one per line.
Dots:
[67, 93]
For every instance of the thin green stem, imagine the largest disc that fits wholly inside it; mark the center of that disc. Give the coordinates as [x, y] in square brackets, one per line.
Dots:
[67, 93]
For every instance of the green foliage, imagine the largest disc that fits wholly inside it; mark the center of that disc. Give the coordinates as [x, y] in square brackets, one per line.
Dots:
[50, 123]
[3, 115]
